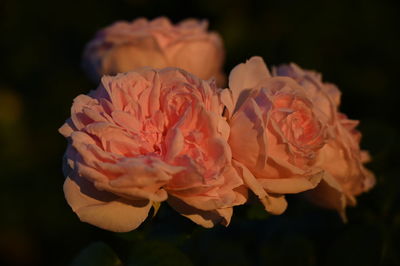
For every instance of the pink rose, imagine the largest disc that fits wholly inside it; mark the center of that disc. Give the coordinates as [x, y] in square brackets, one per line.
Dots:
[125, 46]
[144, 135]
[325, 96]
[276, 133]
[345, 176]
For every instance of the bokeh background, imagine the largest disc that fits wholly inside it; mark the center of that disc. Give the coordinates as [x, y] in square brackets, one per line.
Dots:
[355, 44]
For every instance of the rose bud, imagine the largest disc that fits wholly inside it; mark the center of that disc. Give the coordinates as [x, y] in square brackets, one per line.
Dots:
[146, 136]
[158, 43]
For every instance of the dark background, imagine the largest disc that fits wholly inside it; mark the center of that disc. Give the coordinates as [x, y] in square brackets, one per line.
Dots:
[355, 44]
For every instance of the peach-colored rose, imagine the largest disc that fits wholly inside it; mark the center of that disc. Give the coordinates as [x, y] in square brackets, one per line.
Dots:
[158, 43]
[325, 96]
[143, 135]
[276, 133]
[345, 176]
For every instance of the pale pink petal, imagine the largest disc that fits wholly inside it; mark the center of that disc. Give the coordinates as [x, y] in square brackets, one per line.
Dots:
[78, 118]
[242, 195]
[245, 138]
[127, 120]
[67, 129]
[291, 185]
[246, 76]
[275, 204]
[92, 174]
[194, 56]
[229, 191]
[365, 156]
[105, 211]
[223, 128]
[227, 100]
[369, 180]
[226, 214]
[175, 143]
[145, 52]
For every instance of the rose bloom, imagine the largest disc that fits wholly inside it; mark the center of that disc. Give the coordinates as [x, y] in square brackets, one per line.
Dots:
[341, 157]
[124, 46]
[276, 133]
[144, 137]
[325, 96]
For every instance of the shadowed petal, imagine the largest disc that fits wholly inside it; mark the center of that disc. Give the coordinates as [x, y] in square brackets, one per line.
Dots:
[329, 194]
[103, 209]
[273, 203]
[207, 219]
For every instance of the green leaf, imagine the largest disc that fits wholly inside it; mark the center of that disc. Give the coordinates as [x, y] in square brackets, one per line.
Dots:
[97, 254]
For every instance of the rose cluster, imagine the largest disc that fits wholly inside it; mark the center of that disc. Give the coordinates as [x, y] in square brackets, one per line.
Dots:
[161, 128]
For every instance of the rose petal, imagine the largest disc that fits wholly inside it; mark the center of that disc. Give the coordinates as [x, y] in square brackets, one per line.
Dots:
[247, 75]
[246, 147]
[145, 52]
[225, 195]
[275, 204]
[291, 185]
[194, 56]
[227, 99]
[67, 129]
[329, 194]
[207, 219]
[175, 142]
[104, 210]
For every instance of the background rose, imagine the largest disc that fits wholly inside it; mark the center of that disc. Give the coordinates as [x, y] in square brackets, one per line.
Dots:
[158, 43]
[276, 133]
[142, 133]
[341, 157]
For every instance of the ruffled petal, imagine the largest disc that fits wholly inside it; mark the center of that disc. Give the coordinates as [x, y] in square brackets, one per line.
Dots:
[273, 203]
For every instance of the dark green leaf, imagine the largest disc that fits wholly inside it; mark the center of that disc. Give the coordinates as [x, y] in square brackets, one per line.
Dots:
[97, 254]
[156, 253]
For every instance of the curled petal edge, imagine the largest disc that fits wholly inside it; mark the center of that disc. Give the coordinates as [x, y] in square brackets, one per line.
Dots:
[273, 203]
[329, 194]
[291, 185]
[246, 76]
[207, 219]
[110, 212]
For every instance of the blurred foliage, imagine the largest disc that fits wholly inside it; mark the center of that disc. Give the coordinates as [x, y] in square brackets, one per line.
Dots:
[353, 43]
[97, 254]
